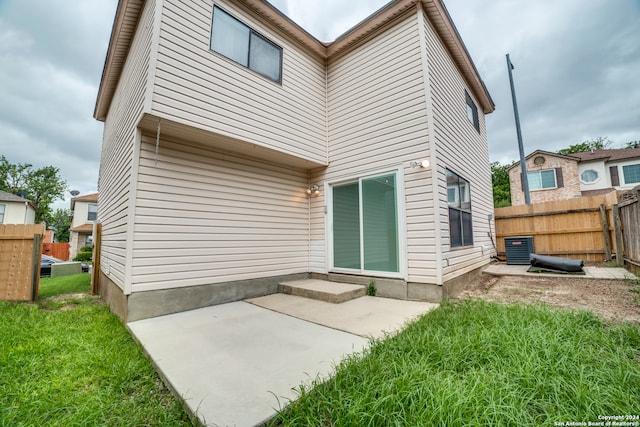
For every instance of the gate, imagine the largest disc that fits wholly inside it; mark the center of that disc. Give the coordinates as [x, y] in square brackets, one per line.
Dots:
[20, 249]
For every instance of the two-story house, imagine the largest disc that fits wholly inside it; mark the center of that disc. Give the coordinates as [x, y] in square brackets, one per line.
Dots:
[84, 214]
[16, 210]
[239, 151]
[554, 176]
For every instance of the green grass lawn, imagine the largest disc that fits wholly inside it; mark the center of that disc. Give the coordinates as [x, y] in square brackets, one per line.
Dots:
[70, 362]
[483, 364]
[72, 284]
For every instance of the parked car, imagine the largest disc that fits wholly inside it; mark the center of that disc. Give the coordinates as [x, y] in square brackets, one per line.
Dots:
[45, 265]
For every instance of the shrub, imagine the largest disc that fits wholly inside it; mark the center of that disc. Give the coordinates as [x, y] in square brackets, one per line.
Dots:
[86, 249]
[83, 256]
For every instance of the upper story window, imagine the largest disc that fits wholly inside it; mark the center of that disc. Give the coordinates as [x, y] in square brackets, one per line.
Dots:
[540, 180]
[2, 214]
[92, 214]
[589, 176]
[459, 198]
[631, 173]
[238, 42]
[472, 111]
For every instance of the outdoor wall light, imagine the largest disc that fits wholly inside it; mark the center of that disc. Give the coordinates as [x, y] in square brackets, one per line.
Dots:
[420, 164]
[314, 190]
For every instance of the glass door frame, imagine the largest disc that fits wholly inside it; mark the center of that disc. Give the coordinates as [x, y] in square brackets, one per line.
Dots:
[401, 224]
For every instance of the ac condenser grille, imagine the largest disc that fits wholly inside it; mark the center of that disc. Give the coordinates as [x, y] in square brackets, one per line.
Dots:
[518, 249]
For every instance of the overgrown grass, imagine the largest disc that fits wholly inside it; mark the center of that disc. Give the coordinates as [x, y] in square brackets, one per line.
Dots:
[477, 364]
[69, 361]
[72, 284]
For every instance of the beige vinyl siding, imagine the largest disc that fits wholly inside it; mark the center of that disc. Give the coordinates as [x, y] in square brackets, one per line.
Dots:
[377, 120]
[18, 213]
[118, 148]
[463, 150]
[204, 217]
[200, 88]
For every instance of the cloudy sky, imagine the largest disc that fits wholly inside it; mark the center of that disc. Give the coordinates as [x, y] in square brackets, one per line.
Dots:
[577, 72]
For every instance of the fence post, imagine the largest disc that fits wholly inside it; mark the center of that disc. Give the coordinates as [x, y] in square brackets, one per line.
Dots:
[95, 270]
[605, 230]
[35, 266]
[618, 235]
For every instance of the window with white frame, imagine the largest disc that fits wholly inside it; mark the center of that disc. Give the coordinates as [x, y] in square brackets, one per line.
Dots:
[88, 240]
[2, 207]
[472, 111]
[460, 220]
[631, 174]
[92, 214]
[238, 42]
[540, 180]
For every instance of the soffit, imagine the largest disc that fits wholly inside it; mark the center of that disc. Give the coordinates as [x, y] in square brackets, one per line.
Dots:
[124, 27]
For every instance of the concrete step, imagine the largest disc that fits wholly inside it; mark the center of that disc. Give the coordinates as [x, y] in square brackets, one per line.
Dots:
[322, 290]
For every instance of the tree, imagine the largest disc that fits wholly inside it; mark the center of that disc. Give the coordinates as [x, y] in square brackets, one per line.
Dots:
[598, 143]
[42, 186]
[632, 144]
[61, 223]
[501, 186]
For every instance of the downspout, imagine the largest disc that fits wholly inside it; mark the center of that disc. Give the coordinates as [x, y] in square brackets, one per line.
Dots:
[26, 211]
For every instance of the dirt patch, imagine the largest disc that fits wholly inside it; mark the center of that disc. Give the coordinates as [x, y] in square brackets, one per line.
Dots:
[617, 300]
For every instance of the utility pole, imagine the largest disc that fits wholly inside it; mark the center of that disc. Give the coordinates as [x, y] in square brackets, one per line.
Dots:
[523, 160]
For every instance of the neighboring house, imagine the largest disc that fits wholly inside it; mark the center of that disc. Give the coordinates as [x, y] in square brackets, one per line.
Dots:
[16, 210]
[84, 210]
[555, 176]
[239, 151]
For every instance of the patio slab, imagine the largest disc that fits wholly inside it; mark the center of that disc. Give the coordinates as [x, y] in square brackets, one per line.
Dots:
[605, 273]
[236, 364]
[371, 317]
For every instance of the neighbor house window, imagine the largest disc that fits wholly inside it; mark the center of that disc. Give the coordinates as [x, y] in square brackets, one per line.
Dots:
[459, 198]
[472, 111]
[88, 240]
[2, 214]
[631, 174]
[93, 212]
[539, 180]
[236, 41]
[589, 176]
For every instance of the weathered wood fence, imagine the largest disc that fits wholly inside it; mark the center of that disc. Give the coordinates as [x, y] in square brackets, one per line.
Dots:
[582, 228]
[630, 219]
[20, 249]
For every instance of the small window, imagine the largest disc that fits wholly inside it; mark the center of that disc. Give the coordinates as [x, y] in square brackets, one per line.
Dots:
[631, 174]
[2, 214]
[88, 241]
[92, 212]
[589, 176]
[238, 42]
[540, 180]
[472, 111]
[460, 220]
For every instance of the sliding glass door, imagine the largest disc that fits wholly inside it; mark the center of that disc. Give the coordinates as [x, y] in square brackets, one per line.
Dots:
[365, 225]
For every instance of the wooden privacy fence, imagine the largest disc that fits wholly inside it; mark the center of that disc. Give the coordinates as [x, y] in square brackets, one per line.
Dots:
[20, 249]
[630, 218]
[56, 250]
[582, 228]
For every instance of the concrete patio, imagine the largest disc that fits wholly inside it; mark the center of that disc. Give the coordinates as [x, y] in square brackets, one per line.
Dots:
[236, 364]
[604, 273]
